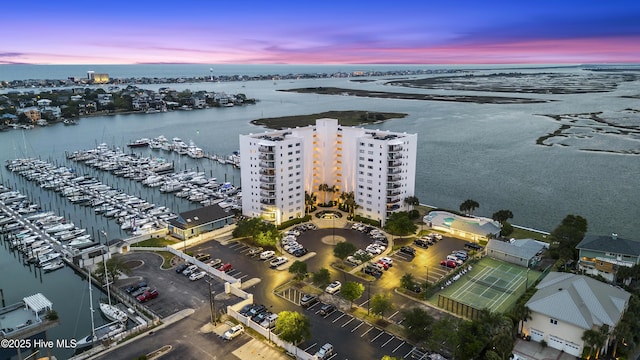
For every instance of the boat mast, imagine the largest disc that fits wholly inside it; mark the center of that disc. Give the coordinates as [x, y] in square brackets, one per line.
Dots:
[106, 274]
[93, 327]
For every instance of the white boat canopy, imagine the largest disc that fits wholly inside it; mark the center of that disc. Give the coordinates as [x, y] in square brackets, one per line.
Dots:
[37, 303]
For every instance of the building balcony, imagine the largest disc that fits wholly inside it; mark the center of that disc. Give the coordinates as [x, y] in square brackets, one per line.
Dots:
[271, 202]
[394, 192]
[266, 157]
[268, 179]
[268, 208]
[271, 187]
[394, 156]
[393, 207]
[394, 170]
[266, 149]
[267, 164]
[393, 200]
[394, 178]
[395, 163]
[393, 185]
[268, 194]
[269, 172]
[395, 148]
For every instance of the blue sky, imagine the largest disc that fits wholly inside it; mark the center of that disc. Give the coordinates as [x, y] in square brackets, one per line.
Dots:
[327, 32]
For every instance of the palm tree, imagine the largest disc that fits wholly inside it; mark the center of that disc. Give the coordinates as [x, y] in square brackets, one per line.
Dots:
[323, 188]
[521, 313]
[594, 339]
[332, 189]
[309, 201]
[502, 215]
[468, 206]
[349, 201]
[621, 333]
[411, 201]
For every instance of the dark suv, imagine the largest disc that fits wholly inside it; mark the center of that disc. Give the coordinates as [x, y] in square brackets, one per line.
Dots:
[256, 310]
[327, 309]
[408, 250]
[421, 242]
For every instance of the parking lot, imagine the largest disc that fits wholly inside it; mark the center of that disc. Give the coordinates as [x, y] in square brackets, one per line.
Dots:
[176, 291]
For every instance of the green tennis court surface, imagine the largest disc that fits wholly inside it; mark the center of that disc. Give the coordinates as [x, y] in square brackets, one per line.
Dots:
[491, 284]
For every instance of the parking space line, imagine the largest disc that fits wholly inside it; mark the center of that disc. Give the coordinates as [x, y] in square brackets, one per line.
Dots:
[350, 320]
[407, 354]
[374, 339]
[235, 245]
[365, 333]
[310, 346]
[356, 328]
[398, 347]
[332, 356]
[394, 314]
[391, 338]
[242, 277]
[364, 303]
[338, 318]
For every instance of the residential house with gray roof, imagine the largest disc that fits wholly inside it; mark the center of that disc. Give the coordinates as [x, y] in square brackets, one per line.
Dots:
[566, 305]
[603, 255]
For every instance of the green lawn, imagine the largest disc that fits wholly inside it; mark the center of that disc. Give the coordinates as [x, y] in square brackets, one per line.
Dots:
[526, 234]
[155, 242]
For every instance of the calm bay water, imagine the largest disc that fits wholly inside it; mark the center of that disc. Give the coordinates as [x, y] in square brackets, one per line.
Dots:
[483, 152]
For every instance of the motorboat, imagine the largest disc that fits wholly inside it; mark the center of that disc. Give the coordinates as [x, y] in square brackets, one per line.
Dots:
[53, 266]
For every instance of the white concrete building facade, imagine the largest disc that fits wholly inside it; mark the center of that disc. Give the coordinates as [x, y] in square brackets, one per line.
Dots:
[277, 168]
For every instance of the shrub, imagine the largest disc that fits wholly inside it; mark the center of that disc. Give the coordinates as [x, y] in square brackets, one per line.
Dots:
[292, 222]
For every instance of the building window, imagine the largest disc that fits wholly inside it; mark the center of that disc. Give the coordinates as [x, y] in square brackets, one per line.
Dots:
[553, 321]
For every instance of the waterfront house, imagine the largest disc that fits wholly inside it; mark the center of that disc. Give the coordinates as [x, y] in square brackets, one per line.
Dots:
[604, 255]
[523, 252]
[105, 99]
[566, 305]
[32, 113]
[195, 222]
[44, 102]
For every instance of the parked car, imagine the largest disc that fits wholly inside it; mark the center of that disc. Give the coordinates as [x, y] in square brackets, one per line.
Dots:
[203, 257]
[416, 288]
[334, 287]
[384, 265]
[197, 275]
[473, 246]
[256, 310]
[325, 352]
[254, 251]
[261, 316]
[147, 295]
[245, 309]
[421, 243]
[278, 261]
[372, 270]
[135, 287]
[408, 250]
[225, 267]
[180, 268]
[387, 260]
[214, 263]
[140, 291]
[308, 300]
[267, 254]
[448, 263]
[233, 332]
[270, 321]
[326, 309]
[300, 252]
[353, 260]
[190, 270]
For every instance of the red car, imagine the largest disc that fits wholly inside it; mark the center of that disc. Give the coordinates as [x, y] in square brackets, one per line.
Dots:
[225, 267]
[384, 264]
[147, 295]
[448, 263]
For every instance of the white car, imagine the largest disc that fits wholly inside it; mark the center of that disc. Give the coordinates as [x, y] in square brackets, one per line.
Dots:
[267, 254]
[387, 260]
[374, 249]
[436, 236]
[197, 275]
[190, 270]
[278, 261]
[233, 332]
[353, 260]
[334, 287]
[214, 263]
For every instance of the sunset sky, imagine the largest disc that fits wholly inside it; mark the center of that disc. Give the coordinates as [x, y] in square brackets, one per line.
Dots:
[320, 32]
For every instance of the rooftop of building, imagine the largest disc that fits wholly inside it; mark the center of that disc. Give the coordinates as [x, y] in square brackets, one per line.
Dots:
[474, 225]
[23, 316]
[201, 216]
[586, 302]
[524, 248]
[610, 244]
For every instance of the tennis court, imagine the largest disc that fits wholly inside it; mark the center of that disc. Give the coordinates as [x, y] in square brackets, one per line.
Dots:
[491, 284]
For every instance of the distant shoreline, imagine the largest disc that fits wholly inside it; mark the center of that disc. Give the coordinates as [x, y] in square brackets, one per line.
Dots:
[345, 118]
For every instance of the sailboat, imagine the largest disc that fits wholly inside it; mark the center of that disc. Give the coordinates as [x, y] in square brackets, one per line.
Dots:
[100, 333]
[110, 311]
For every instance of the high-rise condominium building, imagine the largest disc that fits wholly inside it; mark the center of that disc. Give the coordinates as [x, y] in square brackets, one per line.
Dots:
[278, 167]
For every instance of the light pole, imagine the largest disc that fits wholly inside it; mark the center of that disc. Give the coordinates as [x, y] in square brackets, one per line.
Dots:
[368, 297]
[212, 303]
